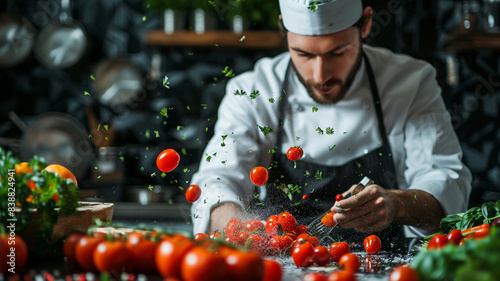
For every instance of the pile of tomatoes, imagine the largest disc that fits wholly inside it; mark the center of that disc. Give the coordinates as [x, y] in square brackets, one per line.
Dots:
[173, 256]
[458, 237]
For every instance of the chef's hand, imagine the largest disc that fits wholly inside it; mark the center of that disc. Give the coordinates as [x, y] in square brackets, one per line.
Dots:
[375, 208]
[222, 214]
[370, 210]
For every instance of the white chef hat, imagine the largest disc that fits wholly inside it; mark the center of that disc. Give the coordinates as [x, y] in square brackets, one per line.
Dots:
[308, 17]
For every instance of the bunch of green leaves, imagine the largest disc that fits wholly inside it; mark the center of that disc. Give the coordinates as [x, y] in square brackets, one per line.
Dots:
[42, 204]
[476, 260]
[472, 217]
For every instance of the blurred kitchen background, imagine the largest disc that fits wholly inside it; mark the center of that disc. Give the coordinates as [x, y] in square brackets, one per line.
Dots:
[83, 84]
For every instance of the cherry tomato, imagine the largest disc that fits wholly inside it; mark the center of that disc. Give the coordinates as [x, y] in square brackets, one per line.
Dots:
[245, 266]
[341, 275]
[496, 222]
[200, 264]
[201, 236]
[339, 197]
[464, 239]
[350, 262]
[403, 273]
[291, 235]
[243, 234]
[70, 245]
[303, 255]
[338, 249]
[482, 231]
[304, 237]
[167, 160]
[437, 242]
[280, 243]
[272, 219]
[169, 255]
[304, 197]
[454, 236]
[215, 234]
[257, 244]
[233, 226]
[301, 229]
[20, 252]
[254, 225]
[328, 219]
[314, 276]
[235, 240]
[273, 270]
[84, 252]
[259, 176]
[372, 264]
[111, 256]
[287, 221]
[321, 255]
[294, 153]
[193, 193]
[372, 244]
[142, 252]
[273, 229]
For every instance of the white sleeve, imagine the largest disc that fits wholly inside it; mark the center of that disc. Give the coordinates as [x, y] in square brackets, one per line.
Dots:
[237, 146]
[434, 156]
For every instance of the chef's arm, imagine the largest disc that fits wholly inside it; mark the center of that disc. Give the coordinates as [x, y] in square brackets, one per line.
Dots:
[416, 208]
[220, 215]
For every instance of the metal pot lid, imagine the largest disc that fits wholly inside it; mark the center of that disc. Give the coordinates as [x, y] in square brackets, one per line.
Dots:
[118, 82]
[60, 139]
[61, 45]
[16, 39]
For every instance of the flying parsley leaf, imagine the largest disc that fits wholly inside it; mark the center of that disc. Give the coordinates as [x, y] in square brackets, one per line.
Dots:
[157, 134]
[224, 137]
[320, 132]
[208, 158]
[329, 131]
[242, 38]
[265, 130]
[144, 18]
[164, 112]
[313, 6]
[166, 83]
[150, 187]
[315, 109]
[92, 77]
[331, 148]
[271, 100]
[239, 93]
[254, 94]
[85, 93]
[318, 175]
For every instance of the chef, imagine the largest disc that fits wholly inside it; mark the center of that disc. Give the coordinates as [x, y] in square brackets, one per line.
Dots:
[356, 111]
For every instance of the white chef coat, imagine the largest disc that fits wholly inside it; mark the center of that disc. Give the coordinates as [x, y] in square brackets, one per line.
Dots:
[426, 152]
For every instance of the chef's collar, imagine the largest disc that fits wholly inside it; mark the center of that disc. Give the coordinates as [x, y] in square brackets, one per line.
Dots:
[306, 17]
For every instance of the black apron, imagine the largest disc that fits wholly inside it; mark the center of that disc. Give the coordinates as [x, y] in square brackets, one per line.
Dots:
[321, 191]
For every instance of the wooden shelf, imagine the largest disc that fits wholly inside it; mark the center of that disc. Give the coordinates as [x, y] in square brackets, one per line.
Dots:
[217, 39]
[472, 41]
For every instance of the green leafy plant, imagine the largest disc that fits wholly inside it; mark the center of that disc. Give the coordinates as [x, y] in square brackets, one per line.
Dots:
[472, 217]
[39, 198]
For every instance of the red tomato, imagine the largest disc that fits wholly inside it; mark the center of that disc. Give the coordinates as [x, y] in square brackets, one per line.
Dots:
[167, 160]
[243, 234]
[454, 236]
[291, 235]
[169, 255]
[328, 219]
[339, 249]
[280, 243]
[254, 225]
[273, 229]
[20, 253]
[437, 242]
[142, 252]
[245, 266]
[301, 229]
[259, 176]
[84, 252]
[200, 264]
[372, 264]
[303, 255]
[273, 270]
[111, 256]
[272, 219]
[201, 236]
[70, 245]
[304, 197]
[287, 221]
[482, 232]
[193, 193]
[403, 273]
[372, 244]
[475, 228]
[321, 255]
[304, 237]
[339, 197]
[464, 239]
[342, 275]
[314, 276]
[215, 234]
[258, 244]
[235, 240]
[233, 226]
[294, 153]
[350, 262]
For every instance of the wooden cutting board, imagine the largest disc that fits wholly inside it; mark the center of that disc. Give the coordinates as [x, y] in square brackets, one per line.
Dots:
[83, 218]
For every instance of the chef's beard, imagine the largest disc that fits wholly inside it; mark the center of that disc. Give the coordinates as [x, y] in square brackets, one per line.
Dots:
[335, 97]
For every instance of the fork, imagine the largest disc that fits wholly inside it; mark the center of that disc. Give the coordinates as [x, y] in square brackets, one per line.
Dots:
[318, 229]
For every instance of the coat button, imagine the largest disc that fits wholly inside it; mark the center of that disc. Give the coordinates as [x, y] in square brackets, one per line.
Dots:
[298, 107]
[365, 104]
